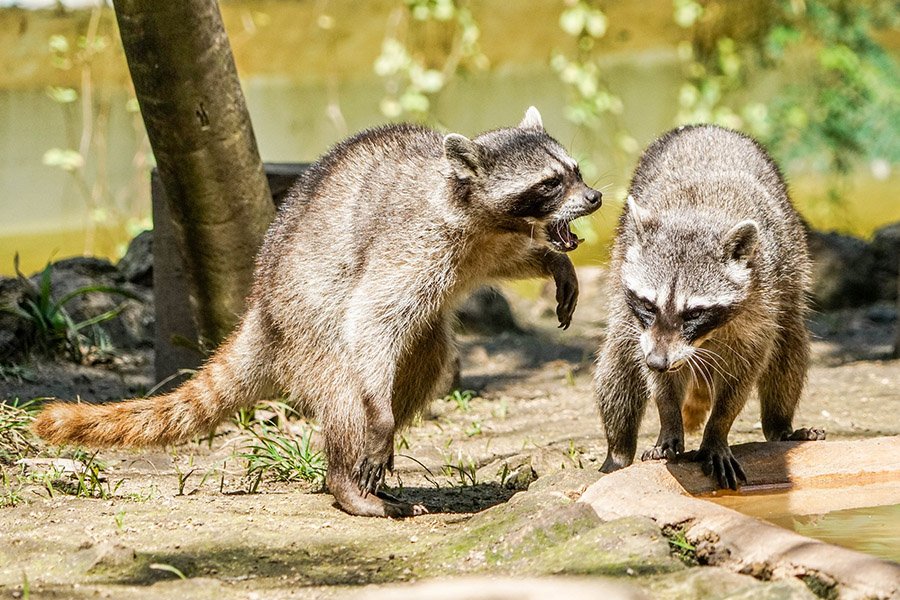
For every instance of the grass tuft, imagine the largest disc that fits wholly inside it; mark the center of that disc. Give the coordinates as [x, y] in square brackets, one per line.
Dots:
[15, 435]
[278, 452]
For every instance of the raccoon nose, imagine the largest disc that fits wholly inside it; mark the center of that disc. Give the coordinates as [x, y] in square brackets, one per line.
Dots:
[658, 362]
[593, 197]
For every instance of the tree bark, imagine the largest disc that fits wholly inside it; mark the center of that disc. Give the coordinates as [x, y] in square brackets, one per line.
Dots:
[896, 353]
[199, 128]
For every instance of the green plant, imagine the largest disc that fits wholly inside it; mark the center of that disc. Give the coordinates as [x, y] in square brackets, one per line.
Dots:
[413, 63]
[591, 104]
[15, 420]
[826, 119]
[281, 454]
[168, 569]
[86, 481]
[182, 476]
[464, 471]
[473, 429]
[10, 494]
[120, 519]
[462, 398]
[574, 453]
[680, 546]
[87, 111]
[53, 328]
[19, 373]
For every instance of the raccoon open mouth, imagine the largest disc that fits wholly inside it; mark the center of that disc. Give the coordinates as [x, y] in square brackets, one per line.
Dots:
[562, 237]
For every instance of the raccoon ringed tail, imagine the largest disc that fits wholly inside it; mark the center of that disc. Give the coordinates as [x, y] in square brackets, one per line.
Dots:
[696, 406]
[227, 382]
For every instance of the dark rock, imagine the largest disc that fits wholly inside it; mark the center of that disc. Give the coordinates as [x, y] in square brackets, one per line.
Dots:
[487, 312]
[843, 271]
[886, 247]
[15, 331]
[137, 264]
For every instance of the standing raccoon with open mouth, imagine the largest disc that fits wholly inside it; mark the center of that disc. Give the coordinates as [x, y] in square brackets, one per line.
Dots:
[710, 276]
[355, 289]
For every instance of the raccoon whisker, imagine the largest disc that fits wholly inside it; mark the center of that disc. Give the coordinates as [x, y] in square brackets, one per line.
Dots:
[718, 368]
[694, 361]
[717, 358]
[733, 351]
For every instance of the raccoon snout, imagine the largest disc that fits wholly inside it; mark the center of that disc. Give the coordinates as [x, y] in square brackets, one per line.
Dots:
[661, 362]
[593, 197]
[658, 362]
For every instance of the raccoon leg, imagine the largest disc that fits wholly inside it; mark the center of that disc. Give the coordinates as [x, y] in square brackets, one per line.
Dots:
[621, 395]
[668, 391]
[547, 263]
[714, 455]
[782, 383]
[563, 272]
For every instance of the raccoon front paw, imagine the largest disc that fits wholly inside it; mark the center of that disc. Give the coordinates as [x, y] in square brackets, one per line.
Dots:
[566, 280]
[720, 464]
[566, 299]
[812, 434]
[666, 449]
[370, 470]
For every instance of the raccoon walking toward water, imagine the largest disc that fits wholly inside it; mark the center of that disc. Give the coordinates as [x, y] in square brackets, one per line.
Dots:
[710, 273]
[354, 289]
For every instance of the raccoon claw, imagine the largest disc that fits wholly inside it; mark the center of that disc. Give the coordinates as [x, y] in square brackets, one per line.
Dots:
[369, 474]
[566, 294]
[669, 450]
[722, 466]
[812, 434]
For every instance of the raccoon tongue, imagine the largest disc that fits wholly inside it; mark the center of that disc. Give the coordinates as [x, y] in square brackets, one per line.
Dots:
[561, 237]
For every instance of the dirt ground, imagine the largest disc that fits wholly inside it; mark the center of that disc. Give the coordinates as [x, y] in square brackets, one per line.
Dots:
[533, 416]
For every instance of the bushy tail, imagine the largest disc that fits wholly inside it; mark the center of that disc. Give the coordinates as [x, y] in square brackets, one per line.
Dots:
[231, 379]
[696, 406]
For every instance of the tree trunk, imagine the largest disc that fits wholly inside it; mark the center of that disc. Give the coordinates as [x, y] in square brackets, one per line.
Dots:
[896, 353]
[199, 128]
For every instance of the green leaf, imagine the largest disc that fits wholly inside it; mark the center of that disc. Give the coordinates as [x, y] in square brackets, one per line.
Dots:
[67, 160]
[63, 95]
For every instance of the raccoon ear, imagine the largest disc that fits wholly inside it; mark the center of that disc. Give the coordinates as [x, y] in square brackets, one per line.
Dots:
[741, 241]
[640, 216]
[463, 154]
[532, 120]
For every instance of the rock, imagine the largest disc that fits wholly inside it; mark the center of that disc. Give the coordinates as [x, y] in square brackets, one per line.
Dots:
[110, 555]
[15, 331]
[571, 482]
[137, 264]
[886, 248]
[843, 271]
[132, 327]
[701, 583]
[521, 529]
[623, 547]
[505, 588]
[486, 312]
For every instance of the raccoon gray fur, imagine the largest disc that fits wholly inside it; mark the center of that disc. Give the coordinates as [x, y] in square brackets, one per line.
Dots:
[710, 276]
[355, 286]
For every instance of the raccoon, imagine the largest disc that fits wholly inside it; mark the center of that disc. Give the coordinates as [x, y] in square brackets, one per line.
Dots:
[355, 285]
[710, 277]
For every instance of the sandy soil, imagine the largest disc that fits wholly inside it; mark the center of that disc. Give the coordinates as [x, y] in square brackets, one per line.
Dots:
[534, 415]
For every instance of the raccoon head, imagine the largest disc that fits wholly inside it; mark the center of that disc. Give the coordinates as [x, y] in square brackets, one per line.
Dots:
[521, 179]
[685, 275]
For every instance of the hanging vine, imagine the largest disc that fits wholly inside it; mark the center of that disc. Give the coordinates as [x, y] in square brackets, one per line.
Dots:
[591, 104]
[428, 42]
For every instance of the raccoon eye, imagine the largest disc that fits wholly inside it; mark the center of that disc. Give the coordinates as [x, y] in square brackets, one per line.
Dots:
[551, 183]
[692, 315]
[648, 306]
